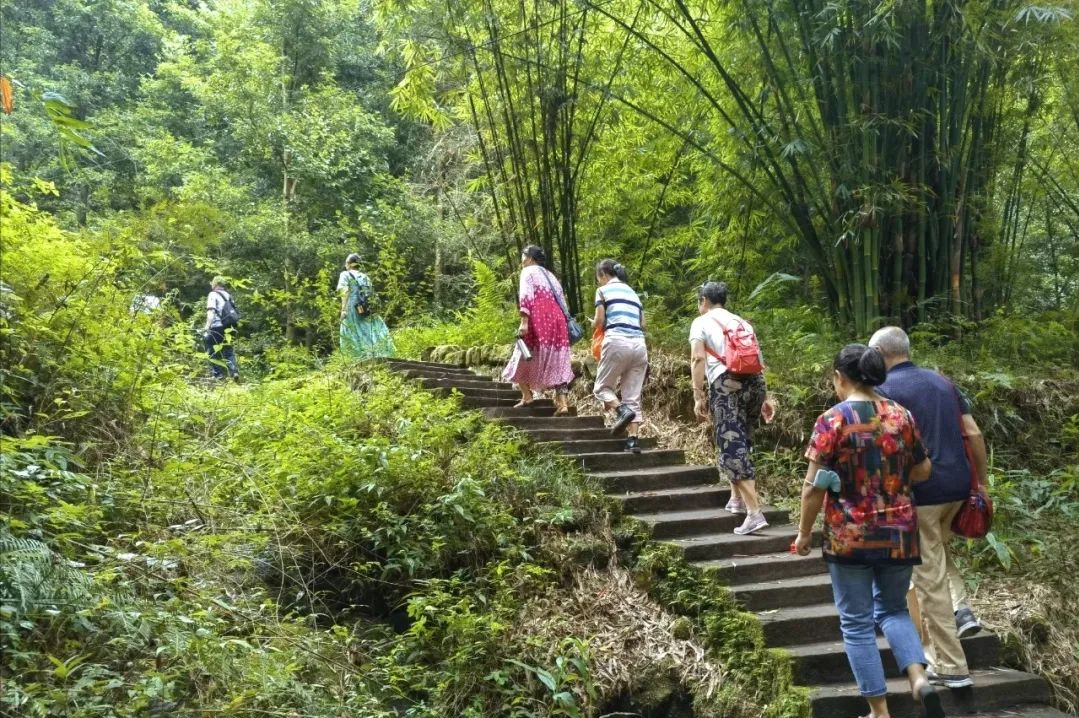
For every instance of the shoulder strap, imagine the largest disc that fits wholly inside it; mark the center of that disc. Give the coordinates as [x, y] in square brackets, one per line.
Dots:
[709, 349]
[555, 292]
[226, 300]
[963, 432]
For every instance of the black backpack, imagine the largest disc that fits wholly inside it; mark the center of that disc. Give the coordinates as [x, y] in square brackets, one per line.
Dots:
[229, 315]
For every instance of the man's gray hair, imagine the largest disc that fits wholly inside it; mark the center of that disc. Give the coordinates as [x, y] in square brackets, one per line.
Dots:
[892, 342]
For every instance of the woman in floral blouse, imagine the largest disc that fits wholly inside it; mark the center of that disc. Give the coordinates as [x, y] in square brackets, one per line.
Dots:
[864, 456]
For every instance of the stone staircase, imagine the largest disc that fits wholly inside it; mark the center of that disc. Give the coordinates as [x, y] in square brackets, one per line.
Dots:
[791, 595]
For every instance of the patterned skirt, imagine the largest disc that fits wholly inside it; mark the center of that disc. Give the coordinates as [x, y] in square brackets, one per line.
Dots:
[736, 408]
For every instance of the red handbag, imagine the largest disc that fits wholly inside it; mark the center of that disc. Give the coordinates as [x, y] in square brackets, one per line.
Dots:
[975, 517]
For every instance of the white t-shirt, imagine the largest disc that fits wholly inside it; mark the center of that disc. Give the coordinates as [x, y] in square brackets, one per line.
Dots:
[215, 303]
[705, 329]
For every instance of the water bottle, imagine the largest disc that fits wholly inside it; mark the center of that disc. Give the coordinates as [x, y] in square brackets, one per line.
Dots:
[522, 348]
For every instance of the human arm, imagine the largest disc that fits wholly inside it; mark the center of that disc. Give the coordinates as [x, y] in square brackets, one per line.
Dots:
[697, 360]
[921, 471]
[919, 455]
[211, 310]
[812, 501]
[768, 410]
[977, 449]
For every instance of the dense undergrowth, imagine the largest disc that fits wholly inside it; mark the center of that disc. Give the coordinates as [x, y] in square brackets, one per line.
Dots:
[329, 541]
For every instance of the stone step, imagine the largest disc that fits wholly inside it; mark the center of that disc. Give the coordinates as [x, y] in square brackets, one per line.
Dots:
[590, 432]
[679, 499]
[994, 689]
[540, 407]
[784, 592]
[465, 383]
[796, 625]
[507, 395]
[655, 478]
[767, 567]
[675, 524]
[728, 545]
[484, 402]
[621, 460]
[414, 365]
[526, 422]
[826, 661]
[439, 374]
[590, 446]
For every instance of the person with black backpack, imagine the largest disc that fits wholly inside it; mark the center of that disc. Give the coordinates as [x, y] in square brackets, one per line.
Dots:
[221, 320]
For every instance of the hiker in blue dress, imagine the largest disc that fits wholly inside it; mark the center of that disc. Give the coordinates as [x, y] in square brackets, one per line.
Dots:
[363, 333]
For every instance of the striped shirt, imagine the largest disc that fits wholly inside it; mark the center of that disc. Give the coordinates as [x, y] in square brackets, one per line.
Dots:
[623, 313]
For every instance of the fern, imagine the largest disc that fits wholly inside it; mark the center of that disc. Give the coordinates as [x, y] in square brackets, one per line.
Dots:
[33, 575]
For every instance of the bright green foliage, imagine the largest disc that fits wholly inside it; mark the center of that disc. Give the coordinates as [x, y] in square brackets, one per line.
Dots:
[490, 320]
[74, 357]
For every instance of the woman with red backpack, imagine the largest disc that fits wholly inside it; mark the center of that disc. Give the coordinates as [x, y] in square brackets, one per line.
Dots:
[729, 387]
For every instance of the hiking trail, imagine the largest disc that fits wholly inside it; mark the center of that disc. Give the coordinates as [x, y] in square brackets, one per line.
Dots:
[791, 595]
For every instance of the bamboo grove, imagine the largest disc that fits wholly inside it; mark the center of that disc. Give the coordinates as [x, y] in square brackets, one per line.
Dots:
[892, 141]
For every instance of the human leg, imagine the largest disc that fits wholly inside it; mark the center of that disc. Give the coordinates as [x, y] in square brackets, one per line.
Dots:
[561, 400]
[942, 646]
[852, 589]
[890, 586]
[966, 623]
[228, 353]
[635, 367]
[215, 341]
[526, 393]
[750, 399]
[607, 374]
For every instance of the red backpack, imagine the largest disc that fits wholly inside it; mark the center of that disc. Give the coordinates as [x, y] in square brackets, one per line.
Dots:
[741, 352]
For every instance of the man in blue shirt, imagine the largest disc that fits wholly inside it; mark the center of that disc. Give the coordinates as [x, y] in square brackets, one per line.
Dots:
[943, 417]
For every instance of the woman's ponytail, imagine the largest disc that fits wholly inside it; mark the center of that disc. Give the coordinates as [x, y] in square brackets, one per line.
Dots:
[861, 364]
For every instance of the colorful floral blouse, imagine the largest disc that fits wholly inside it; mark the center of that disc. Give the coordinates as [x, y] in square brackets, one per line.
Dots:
[872, 445]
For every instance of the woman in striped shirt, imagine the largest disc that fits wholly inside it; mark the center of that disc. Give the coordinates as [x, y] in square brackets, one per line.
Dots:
[623, 359]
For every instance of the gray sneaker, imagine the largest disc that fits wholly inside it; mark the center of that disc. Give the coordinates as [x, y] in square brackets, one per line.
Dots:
[736, 506]
[965, 623]
[948, 680]
[753, 522]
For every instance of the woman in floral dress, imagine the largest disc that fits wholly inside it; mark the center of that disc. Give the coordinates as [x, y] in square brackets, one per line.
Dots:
[544, 331]
[864, 456]
[363, 333]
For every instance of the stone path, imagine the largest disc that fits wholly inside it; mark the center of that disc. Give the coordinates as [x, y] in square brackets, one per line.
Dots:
[792, 595]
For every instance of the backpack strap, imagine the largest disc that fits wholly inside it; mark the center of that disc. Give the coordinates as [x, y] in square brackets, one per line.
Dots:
[227, 300]
[709, 349]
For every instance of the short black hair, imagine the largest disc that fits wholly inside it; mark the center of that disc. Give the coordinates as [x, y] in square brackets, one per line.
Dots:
[861, 364]
[715, 292]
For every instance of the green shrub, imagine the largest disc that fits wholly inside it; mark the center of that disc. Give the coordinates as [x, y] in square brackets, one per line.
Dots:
[491, 319]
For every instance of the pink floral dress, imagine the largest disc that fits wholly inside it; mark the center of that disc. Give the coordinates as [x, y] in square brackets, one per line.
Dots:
[547, 338]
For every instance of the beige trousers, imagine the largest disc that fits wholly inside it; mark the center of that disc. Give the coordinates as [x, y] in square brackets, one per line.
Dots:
[622, 361]
[940, 591]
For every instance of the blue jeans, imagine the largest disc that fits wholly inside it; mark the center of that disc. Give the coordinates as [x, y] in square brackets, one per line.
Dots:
[867, 596]
[218, 347]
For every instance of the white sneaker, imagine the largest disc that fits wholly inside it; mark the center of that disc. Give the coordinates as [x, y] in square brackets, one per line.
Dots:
[735, 506]
[753, 522]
